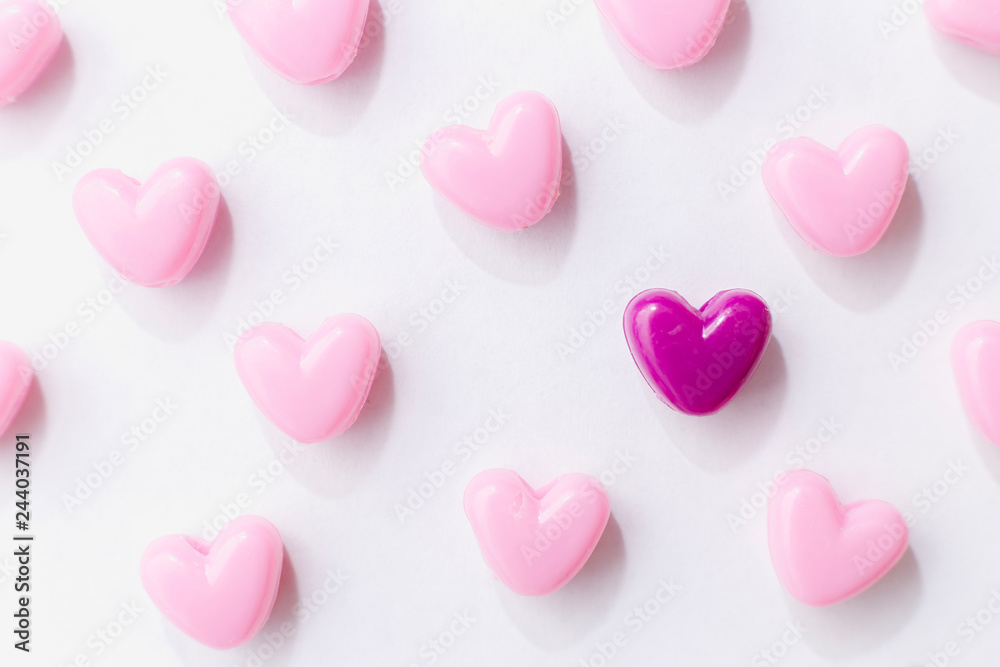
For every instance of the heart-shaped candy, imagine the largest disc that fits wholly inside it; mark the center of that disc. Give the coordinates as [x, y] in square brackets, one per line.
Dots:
[151, 233]
[304, 41]
[975, 357]
[219, 594]
[697, 360]
[31, 34]
[666, 34]
[841, 202]
[311, 389]
[508, 176]
[975, 22]
[536, 541]
[16, 375]
[824, 552]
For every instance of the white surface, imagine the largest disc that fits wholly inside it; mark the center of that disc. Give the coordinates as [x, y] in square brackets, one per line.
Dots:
[496, 346]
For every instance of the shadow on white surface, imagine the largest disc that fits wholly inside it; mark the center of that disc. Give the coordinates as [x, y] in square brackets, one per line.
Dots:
[691, 95]
[285, 606]
[180, 310]
[853, 627]
[564, 617]
[532, 256]
[976, 70]
[25, 121]
[335, 467]
[866, 281]
[732, 435]
[988, 453]
[336, 106]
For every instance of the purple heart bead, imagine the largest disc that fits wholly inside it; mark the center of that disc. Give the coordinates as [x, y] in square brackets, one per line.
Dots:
[697, 360]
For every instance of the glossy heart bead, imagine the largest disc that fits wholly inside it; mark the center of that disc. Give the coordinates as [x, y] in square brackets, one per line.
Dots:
[304, 41]
[840, 202]
[219, 594]
[697, 360]
[508, 176]
[536, 541]
[975, 359]
[30, 35]
[666, 34]
[975, 22]
[151, 233]
[16, 375]
[311, 389]
[824, 552]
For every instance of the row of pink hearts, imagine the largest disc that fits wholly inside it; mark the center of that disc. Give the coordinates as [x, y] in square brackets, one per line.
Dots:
[534, 541]
[314, 41]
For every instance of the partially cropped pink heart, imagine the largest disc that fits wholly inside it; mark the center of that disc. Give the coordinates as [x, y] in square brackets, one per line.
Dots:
[305, 41]
[841, 202]
[151, 233]
[666, 34]
[311, 389]
[16, 375]
[975, 22]
[30, 35]
[975, 356]
[824, 552]
[508, 176]
[219, 594]
[536, 541]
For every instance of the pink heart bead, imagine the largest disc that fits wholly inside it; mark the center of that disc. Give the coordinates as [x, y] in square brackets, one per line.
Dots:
[666, 34]
[975, 358]
[536, 541]
[16, 375]
[311, 389]
[840, 202]
[30, 35]
[975, 22]
[304, 41]
[508, 176]
[219, 594]
[151, 233]
[824, 552]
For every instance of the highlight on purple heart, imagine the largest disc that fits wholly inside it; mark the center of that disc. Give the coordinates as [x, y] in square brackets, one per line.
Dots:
[697, 360]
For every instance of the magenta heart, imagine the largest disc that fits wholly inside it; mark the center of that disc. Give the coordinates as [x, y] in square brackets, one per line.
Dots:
[697, 360]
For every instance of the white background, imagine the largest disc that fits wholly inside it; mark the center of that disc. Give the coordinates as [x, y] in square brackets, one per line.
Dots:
[497, 346]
